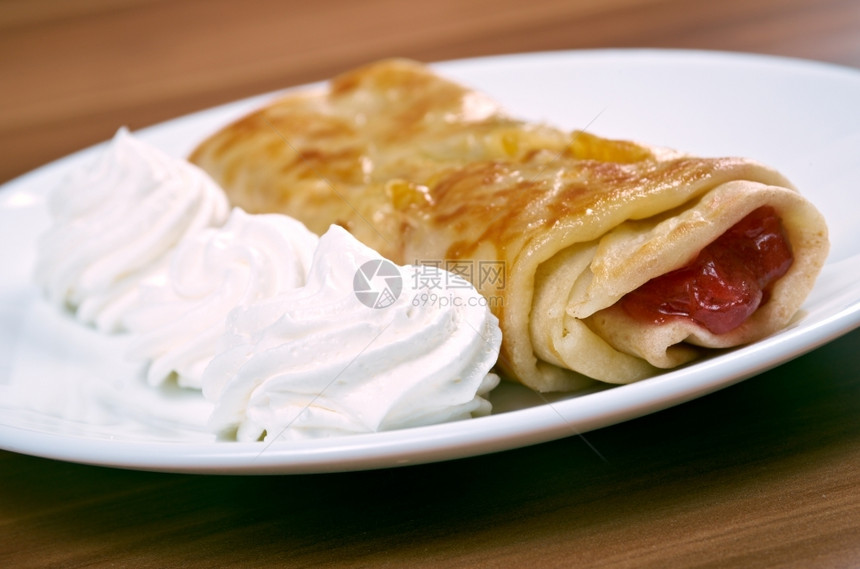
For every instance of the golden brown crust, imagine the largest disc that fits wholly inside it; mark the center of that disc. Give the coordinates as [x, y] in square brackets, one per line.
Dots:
[423, 169]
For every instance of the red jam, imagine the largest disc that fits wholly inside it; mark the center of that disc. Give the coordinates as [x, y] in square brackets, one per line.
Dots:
[726, 283]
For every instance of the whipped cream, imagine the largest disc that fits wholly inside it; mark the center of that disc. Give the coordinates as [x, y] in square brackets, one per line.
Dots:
[357, 349]
[115, 224]
[288, 335]
[179, 323]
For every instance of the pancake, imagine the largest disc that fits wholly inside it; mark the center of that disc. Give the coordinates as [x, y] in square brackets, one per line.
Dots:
[561, 231]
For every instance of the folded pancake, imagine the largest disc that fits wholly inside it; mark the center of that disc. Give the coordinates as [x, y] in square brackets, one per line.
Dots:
[603, 260]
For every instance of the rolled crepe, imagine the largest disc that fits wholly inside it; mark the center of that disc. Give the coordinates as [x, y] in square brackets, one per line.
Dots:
[555, 228]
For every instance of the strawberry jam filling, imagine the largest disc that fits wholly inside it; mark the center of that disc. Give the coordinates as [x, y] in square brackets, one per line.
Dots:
[726, 283]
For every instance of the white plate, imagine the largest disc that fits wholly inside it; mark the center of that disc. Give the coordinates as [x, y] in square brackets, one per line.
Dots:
[799, 117]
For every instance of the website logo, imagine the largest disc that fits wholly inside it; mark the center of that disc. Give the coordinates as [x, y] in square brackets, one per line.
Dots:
[377, 283]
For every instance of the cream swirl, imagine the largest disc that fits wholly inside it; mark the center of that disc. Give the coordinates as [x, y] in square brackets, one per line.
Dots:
[114, 225]
[179, 324]
[320, 360]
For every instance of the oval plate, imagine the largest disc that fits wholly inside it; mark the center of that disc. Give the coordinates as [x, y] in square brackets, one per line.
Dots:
[67, 393]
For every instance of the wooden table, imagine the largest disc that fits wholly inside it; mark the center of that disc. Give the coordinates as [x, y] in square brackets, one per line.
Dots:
[765, 473]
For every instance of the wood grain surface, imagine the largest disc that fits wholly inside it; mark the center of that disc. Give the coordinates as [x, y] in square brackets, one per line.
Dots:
[763, 474]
